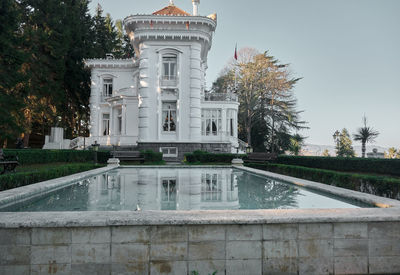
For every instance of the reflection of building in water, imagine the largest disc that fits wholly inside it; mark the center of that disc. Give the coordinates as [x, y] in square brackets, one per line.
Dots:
[168, 194]
[164, 189]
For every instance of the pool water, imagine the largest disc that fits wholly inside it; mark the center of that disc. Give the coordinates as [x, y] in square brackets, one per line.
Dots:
[180, 189]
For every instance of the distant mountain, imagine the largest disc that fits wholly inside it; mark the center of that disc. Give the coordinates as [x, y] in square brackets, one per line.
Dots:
[317, 150]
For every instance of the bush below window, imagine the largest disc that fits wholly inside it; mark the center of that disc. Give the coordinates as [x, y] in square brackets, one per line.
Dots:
[205, 157]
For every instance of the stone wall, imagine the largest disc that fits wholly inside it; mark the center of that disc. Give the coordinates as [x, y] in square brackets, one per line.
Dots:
[184, 148]
[286, 248]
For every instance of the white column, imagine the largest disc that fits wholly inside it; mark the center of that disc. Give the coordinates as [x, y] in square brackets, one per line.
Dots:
[94, 105]
[224, 126]
[235, 124]
[144, 95]
[123, 117]
[195, 90]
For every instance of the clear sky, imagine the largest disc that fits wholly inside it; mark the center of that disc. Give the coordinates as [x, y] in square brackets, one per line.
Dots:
[347, 51]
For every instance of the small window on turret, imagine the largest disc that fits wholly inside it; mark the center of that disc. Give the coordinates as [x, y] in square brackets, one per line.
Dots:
[169, 67]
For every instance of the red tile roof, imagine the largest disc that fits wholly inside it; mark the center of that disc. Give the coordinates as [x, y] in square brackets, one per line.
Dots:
[171, 10]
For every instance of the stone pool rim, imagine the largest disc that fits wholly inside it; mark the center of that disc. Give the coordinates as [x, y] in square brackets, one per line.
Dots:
[389, 209]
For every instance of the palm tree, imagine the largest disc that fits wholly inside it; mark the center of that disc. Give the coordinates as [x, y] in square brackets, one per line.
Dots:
[296, 142]
[365, 134]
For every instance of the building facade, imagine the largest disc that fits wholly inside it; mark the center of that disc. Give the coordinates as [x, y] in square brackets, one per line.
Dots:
[157, 100]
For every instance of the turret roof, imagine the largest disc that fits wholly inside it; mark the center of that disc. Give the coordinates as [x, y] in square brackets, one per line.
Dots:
[171, 10]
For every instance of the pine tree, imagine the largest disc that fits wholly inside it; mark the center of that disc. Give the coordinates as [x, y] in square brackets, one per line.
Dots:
[11, 75]
[105, 35]
[124, 47]
[344, 146]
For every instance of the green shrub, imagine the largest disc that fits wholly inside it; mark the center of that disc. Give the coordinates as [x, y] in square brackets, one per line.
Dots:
[363, 165]
[151, 156]
[34, 156]
[377, 185]
[13, 180]
[205, 157]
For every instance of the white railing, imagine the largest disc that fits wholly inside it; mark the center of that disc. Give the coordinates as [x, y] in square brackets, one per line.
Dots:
[220, 97]
[79, 143]
[74, 143]
[169, 81]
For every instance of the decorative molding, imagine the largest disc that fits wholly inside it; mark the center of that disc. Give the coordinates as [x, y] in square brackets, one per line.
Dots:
[169, 49]
[172, 34]
[198, 20]
[110, 63]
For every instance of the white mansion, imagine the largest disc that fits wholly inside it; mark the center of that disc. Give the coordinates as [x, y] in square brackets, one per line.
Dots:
[157, 100]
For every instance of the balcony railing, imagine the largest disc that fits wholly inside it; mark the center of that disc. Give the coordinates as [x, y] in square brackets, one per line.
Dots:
[220, 97]
[169, 81]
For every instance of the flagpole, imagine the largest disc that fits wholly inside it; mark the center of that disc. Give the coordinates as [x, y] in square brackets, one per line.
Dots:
[235, 65]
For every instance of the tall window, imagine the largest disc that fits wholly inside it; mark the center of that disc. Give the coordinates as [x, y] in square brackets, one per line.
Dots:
[119, 122]
[106, 124]
[107, 87]
[211, 122]
[169, 67]
[169, 116]
[229, 122]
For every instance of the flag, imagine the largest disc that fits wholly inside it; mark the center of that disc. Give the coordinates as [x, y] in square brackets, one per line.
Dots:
[235, 56]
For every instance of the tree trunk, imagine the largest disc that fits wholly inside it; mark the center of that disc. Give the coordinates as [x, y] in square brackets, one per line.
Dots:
[26, 139]
[248, 128]
[363, 149]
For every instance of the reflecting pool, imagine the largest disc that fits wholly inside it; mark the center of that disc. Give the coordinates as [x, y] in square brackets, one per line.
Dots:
[180, 189]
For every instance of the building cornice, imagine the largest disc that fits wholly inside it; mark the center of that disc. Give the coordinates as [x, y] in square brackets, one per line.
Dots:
[199, 20]
[149, 33]
[110, 63]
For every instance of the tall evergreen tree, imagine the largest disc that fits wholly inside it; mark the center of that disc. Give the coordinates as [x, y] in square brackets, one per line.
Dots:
[43, 81]
[11, 72]
[46, 45]
[344, 146]
[77, 78]
[105, 34]
[124, 46]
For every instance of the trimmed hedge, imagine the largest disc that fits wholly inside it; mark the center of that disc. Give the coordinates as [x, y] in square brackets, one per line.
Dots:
[363, 165]
[151, 156]
[34, 156]
[13, 180]
[205, 157]
[376, 185]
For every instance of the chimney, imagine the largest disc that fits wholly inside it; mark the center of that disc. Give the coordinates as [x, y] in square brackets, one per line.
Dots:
[196, 4]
